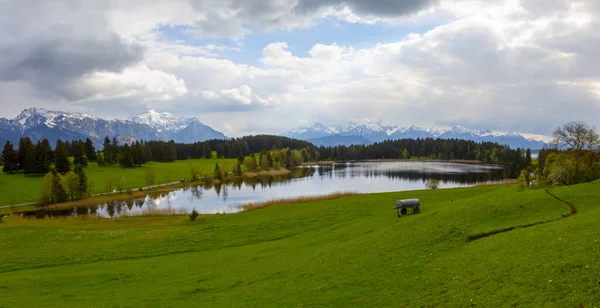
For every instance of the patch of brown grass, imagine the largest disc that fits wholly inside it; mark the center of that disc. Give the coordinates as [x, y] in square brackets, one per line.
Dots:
[272, 172]
[503, 182]
[159, 212]
[293, 200]
[319, 163]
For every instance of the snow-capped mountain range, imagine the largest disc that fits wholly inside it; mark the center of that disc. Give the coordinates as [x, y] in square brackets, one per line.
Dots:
[39, 123]
[377, 131]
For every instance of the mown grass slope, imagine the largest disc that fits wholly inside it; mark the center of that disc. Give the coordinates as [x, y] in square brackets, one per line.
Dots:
[17, 188]
[351, 251]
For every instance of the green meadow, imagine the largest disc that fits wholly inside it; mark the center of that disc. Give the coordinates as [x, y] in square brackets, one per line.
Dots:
[17, 188]
[488, 246]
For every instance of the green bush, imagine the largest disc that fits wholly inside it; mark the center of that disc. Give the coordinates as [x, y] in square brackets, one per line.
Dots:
[194, 215]
[432, 184]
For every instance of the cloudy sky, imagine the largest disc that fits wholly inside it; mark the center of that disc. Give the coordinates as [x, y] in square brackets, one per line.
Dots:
[248, 66]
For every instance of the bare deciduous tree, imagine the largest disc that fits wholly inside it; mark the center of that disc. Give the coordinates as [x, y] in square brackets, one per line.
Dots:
[577, 135]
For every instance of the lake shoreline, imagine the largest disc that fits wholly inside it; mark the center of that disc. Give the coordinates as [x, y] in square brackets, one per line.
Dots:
[200, 189]
[459, 161]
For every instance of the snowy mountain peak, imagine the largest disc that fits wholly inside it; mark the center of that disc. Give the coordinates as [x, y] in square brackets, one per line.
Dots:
[39, 123]
[459, 129]
[163, 121]
[377, 131]
[154, 119]
[316, 127]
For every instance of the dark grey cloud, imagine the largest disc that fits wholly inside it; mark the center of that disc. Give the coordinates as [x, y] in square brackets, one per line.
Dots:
[229, 18]
[51, 63]
[382, 8]
[50, 45]
[64, 57]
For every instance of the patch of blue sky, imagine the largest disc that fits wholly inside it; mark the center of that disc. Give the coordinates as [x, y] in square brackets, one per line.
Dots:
[300, 40]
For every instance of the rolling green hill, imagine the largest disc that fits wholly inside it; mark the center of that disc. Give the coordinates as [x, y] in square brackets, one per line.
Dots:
[482, 246]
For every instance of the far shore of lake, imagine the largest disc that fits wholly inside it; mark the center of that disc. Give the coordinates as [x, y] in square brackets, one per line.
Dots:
[330, 162]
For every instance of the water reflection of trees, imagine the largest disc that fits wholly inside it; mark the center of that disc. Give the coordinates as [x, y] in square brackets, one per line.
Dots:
[225, 188]
[417, 176]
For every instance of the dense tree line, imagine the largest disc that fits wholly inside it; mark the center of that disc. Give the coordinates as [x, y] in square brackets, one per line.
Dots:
[237, 147]
[443, 149]
[37, 159]
[60, 184]
[266, 151]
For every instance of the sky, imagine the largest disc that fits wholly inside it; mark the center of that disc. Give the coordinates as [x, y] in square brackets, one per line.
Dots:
[267, 66]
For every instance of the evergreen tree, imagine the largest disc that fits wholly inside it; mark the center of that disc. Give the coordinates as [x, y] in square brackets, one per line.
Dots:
[114, 148]
[405, 154]
[90, 151]
[10, 158]
[126, 157]
[69, 147]
[108, 156]
[148, 155]
[217, 174]
[83, 182]
[528, 157]
[42, 159]
[26, 155]
[79, 158]
[25, 146]
[139, 156]
[172, 151]
[61, 158]
[237, 171]
[207, 152]
[49, 153]
[31, 160]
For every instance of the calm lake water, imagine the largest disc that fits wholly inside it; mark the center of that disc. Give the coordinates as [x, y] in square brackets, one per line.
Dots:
[366, 177]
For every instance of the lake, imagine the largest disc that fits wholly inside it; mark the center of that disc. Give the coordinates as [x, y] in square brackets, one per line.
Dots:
[362, 177]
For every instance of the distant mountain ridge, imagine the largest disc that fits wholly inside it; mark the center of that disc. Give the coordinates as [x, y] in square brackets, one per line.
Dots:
[377, 131]
[40, 123]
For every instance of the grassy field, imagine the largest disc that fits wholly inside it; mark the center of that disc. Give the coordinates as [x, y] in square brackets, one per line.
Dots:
[351, 251]
[17, 188]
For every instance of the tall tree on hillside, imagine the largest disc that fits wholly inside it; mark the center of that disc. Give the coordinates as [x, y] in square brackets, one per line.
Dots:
[139, 156]
[126, 160]
[114, 147]
[83, 182]
[53, 190]
[10, 158]
[42, 158]
[61, 158]
[71, 185]
[90, 151]
[25, 145]
[528, 157]
[79, 158]
[26, 155]
[45, 146]
[108, 158]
